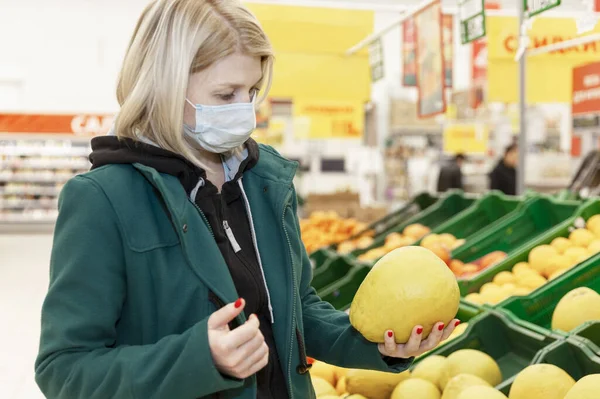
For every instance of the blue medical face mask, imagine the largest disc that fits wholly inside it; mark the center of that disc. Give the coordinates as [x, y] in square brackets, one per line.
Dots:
[222, 128]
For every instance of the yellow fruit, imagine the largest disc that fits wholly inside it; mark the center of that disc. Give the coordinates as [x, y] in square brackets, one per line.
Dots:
[409, 278]
[586, 388]
[458, 243]
[460, 383]
[460, 329]
[581, 237]
[540, 257]
[416, 388]
[481, 392]
[373, 384]
[416, 231]
[531, 281]
[593, 222]
[328, 397]
[473, 362]
[430, 240]
[356, 396]
[447, 239]
[578, 306]
[504, 278]
[521, 266]
[558, 263]
[541, 381]
[431, 369]
[324, 371]
[594, 247]
[489, 287]
[341, 386]
[522, 291]
[475, 298]
[557, 273]
[322, 387]
[509, 288]
[561, 244]
[577, 255]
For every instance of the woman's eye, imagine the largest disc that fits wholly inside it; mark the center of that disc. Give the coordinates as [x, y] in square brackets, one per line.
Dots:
[227, 97]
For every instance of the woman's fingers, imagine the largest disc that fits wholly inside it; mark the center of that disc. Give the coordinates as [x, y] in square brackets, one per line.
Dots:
[434, 337]
[255, 361]
[389, 342]
[414, 342]
[243, 333]
[450, 329]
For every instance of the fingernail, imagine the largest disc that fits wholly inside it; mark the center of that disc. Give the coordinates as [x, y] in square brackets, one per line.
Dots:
[390, 334]
[238, 303]
[457, 323]
[441, 327]
[419, 330]
[310, 360]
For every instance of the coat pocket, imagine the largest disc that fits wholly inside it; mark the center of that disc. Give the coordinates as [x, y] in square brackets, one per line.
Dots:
[219, 304]
[303, 367]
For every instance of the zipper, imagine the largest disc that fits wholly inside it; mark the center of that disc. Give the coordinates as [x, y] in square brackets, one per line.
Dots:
[287, 236]
[304, 366]
[231, 237]
[204, 218]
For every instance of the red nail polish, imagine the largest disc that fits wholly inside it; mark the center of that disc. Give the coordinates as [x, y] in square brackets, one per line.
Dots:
[457, 323]
[390, 334]
[420, 330]
[441, 327]
[238, 303]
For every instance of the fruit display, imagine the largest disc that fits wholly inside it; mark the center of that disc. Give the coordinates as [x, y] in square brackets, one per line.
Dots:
[409, 236]
[541, 381]
[398, 292]
[544, 263]
[577, 307]
[325, 228]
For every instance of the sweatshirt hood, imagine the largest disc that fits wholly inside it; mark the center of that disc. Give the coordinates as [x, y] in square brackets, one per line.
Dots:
[111, 150]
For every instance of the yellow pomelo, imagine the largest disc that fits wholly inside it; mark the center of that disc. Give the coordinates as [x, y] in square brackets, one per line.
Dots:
[341, 386]
[578, 306]
[481, 392]
[541, 256]
[412, 279]
[525, 271]
[475, 298]
[541, 381]
[522, 291]
[328, 397]
[431, 369]
[504, 278]
[324, 371]
[577, 255]
[558, 263]
[322, 387]
[473, 362]
[509, 288]
[416, 388]
[592, 222]
[460, 383]
[531, 281]
[521, 266]
[447, 239]
[373, 384]
[581, 237]
[487, 287]
[459, 330]
[586, 388]
[594, 247]
[356, 396]
[558, 273]
[561, 244]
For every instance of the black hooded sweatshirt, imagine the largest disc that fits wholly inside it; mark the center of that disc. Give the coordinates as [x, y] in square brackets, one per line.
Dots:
[504, 178]
[227, 216]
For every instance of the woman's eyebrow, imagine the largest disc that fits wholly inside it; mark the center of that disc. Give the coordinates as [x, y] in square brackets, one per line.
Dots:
[232, 85]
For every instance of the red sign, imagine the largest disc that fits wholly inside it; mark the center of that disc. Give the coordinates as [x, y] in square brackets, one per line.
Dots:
[80, 125]
[409, 54]
[586, 89]
[448, 35]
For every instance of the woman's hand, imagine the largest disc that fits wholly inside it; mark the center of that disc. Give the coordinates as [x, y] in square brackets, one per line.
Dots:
[241, 352]
[415, 345]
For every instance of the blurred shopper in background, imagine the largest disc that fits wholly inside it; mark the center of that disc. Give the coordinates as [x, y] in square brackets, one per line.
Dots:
[451, 174]
[504, 175]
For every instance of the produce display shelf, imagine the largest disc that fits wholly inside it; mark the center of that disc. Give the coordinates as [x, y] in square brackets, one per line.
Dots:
[381, 226]
[589, 334]
[512, 346]
[453, 203]
[536, 216]
[535, 310]
[521, 254]
[487, 210]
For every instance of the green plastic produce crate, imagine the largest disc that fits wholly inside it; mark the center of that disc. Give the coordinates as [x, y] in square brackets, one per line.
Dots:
[535, 310]
[484, 212]
[521, 254]
[453, 203]
[334, 269]
[381, 226]
[512, 346]
[536, 216]
[589, 334]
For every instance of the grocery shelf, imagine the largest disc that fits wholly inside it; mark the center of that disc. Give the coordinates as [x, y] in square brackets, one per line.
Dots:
[589, 334]
[538, 210]
[35, 179]
[512, 346]
[24, 203]
[535, 310]
[333, 270]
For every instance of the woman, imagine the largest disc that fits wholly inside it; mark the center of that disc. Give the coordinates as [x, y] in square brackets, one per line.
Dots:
[177, 269]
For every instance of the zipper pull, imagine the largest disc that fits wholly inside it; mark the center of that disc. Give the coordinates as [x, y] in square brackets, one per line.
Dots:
[231, 237]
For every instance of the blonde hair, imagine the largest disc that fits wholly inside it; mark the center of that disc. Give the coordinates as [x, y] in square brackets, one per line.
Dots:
[173, 39]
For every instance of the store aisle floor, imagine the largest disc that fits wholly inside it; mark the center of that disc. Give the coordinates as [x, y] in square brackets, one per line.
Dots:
[24, 263]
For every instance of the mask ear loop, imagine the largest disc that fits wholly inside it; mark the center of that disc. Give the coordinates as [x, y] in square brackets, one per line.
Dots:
[191, 103]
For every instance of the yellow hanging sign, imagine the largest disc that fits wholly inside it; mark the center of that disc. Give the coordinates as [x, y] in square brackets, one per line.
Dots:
[467, 138]
[322, 119]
